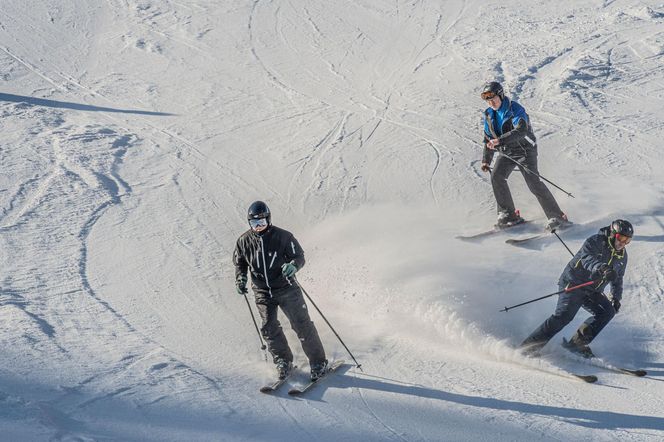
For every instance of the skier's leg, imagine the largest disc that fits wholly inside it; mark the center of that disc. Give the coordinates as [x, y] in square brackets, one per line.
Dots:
[294, 307]
[271, 329]
[567, 307]
[538, 188]
[602, 312]
[502, 169]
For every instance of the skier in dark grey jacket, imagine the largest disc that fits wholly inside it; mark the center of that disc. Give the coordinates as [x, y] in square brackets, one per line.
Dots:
[273, 256]
[602, 258]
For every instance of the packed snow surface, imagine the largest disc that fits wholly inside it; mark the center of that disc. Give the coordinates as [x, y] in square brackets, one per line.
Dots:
[135, 134]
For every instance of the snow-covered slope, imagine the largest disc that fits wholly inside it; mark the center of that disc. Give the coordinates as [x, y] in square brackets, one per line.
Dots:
[137, 132]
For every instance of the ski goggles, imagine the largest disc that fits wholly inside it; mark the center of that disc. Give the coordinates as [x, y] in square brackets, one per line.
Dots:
[259, 222]
[623, 238]
[488, 95]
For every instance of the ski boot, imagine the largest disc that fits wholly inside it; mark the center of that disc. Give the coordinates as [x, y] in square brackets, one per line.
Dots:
[579, 349]
[318, 370]
[557, 223]
[507, 219]
[284, 368]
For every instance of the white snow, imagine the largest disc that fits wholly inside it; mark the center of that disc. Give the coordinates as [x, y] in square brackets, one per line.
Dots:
[137, 132]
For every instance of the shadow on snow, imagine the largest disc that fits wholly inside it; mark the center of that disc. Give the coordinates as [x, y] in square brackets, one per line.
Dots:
[599, 419]
[33, 101]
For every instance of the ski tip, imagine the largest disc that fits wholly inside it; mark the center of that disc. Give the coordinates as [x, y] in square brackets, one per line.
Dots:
[266, 390]
[590, 379]
[639, 373]
[294, 392]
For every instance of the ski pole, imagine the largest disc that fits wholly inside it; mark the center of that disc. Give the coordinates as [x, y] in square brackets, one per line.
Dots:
[563, 243]
[260, 338]
[357, 364]
[561, 240]
[568, 289]
[537, 174]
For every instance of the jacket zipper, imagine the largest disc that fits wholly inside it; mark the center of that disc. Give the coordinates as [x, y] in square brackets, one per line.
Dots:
[265, 267]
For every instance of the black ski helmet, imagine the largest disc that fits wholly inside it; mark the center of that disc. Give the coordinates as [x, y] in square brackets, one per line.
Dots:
[621, 227]
[495, 87]
[258, 210]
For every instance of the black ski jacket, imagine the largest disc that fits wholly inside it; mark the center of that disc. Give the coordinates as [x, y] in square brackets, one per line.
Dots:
[584, 267]
[263, 255]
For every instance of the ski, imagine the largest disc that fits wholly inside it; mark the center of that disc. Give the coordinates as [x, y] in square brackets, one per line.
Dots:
[331, 369]
[492, 231]
[520, 241]
[638, 372]
[589, 378]
[600, 363]
[528, 239]
[276, 384]
[558, 371]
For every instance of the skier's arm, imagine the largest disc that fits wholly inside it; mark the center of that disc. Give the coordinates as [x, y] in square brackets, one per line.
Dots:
[590, 253]
[487, 155]
[294, 252]
[519, 132]
[617, 288]
[240, 262]
[617, 285]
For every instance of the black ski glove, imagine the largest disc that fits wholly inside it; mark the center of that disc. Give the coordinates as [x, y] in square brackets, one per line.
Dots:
[616, 304]
[607, 273]
[241, 285]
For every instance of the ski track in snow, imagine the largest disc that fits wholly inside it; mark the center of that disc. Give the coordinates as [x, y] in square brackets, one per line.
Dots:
[138, 131]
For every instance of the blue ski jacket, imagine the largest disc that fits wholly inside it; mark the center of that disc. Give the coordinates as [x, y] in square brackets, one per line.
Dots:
[511, 125]
[596, 251]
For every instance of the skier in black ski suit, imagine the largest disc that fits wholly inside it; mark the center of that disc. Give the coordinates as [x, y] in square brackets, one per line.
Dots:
[273, 256]
[507, 129]
[602, 258]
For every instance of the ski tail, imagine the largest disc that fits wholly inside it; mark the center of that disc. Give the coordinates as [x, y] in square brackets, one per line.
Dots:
[588, 378]
[494, 230]
[331, 369]
[270, 388]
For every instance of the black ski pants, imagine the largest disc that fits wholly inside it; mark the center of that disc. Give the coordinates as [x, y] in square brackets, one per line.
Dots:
[291, 302]
[504, 167]
[568, 305]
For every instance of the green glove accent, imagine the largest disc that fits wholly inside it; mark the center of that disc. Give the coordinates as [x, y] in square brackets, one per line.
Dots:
[288, 269]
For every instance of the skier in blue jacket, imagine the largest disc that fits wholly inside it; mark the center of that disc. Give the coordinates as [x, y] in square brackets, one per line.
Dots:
[507, 129]
[603, 259]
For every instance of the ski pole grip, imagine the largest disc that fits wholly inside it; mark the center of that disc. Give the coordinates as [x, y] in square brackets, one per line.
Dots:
[585, 284]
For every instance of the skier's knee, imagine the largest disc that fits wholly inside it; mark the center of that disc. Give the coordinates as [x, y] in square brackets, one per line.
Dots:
[498, 179]
[270, 330]
[607, 314]
[563, 318]
[303, 329]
